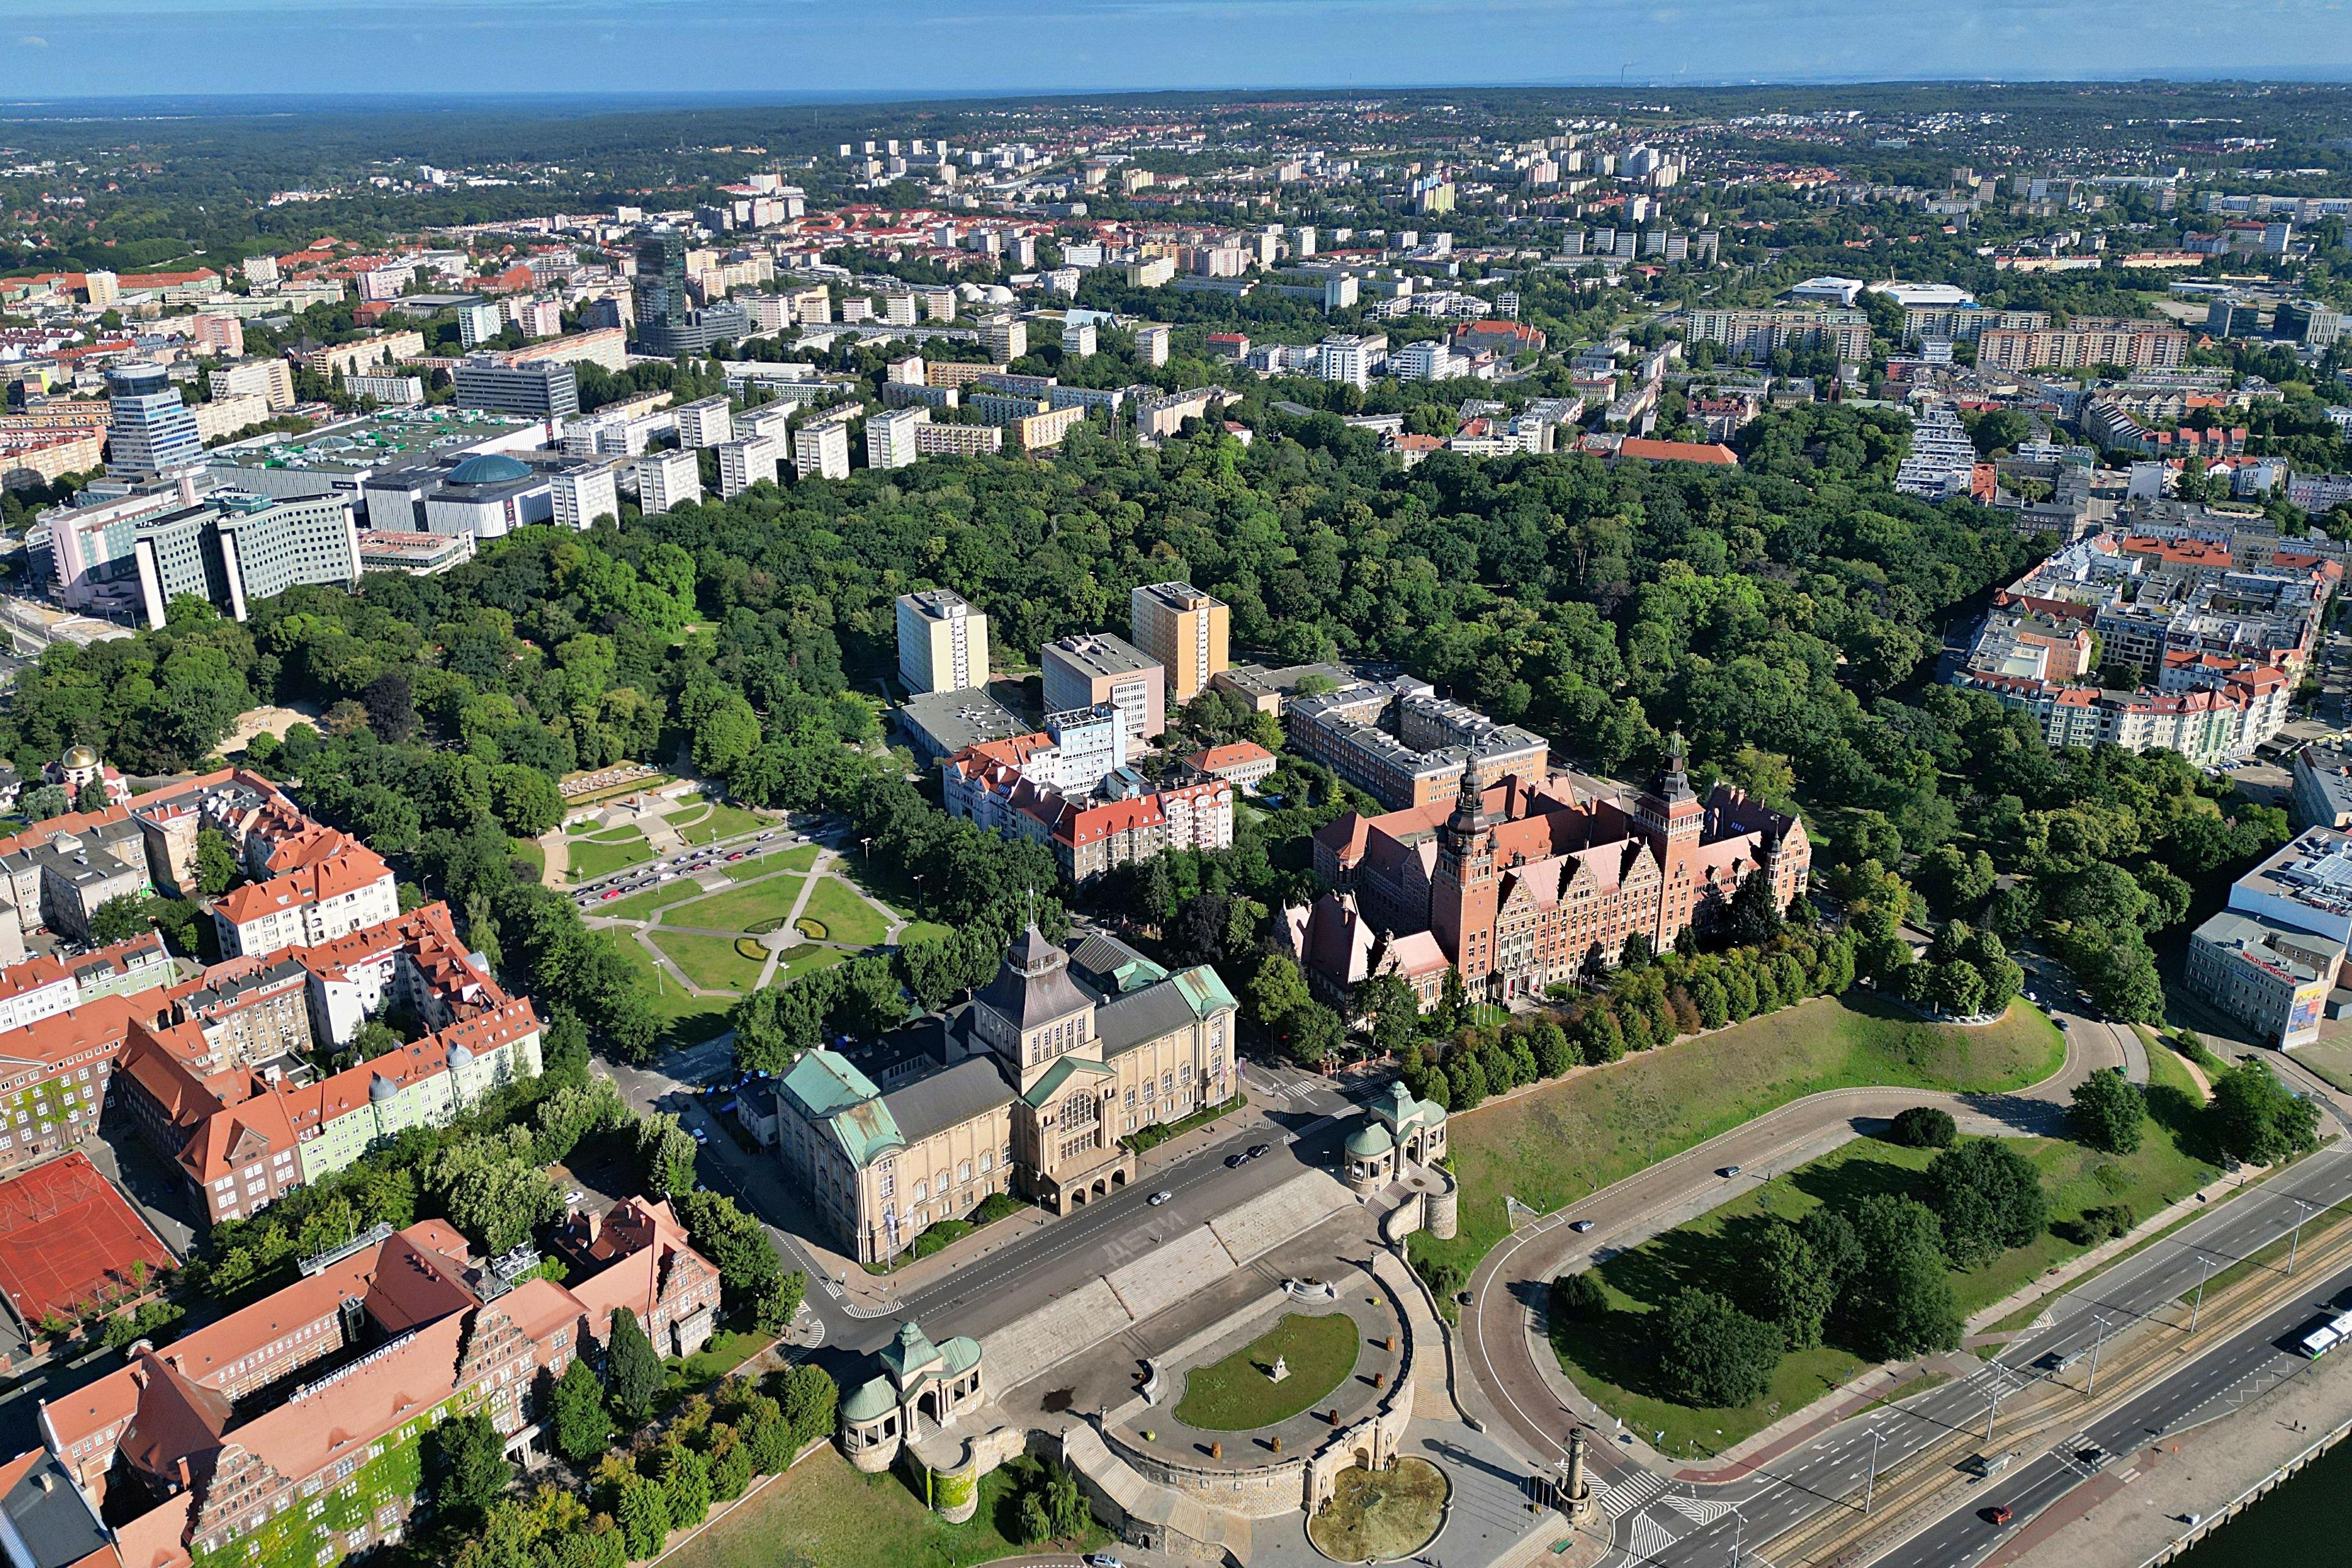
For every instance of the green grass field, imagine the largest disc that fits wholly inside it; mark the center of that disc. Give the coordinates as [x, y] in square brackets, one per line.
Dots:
[741, 906]
[701, 824]
[1236, 1396]
[527, 851]
[1611, 1361]
[822, 1511]
[711, 961]
[687, 1019]
[642, 906]
[922, 931]
[800, 960]
[848, 919]
[1559, 1143]
[592, 857]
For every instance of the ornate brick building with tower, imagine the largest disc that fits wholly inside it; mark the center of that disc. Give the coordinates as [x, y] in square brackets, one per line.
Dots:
[1521, 886]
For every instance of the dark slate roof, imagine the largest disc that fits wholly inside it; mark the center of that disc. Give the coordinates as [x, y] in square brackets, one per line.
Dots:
[50, 1517]
[942, 1099]
[1033, 999]
[1141, 1016]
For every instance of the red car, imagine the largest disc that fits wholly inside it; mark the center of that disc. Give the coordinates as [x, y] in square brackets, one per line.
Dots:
[1999, 1514]
[736, 855]
[608, 894]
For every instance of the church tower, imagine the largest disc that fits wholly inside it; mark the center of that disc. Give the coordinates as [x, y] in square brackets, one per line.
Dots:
[1461, 888]
[1674, 822]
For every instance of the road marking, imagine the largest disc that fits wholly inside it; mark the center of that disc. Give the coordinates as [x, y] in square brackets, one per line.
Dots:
[1637, 1488]
[1651, 1538]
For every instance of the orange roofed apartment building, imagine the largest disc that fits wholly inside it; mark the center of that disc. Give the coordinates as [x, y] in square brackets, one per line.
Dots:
[1521, 887]
[301, 1412]
[215, 1079]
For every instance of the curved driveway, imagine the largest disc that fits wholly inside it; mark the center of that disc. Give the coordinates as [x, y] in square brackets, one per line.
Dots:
[1507, 1389]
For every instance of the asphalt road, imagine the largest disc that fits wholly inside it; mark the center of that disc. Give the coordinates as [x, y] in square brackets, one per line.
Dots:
[2254, 1361]
[1508, 1284]
[1830, 1471]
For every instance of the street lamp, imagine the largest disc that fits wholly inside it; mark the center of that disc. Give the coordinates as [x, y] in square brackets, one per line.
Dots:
[1738, 1530]
[2204, 1268]
[2303, 1212]
[2093, 1382]
[1870, 1482]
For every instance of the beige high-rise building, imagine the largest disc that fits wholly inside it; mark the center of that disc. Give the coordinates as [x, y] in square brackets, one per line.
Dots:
[942, 642]
[1185, 630]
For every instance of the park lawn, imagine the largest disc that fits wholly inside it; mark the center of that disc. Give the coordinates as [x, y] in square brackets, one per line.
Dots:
[720, 1354]
[1611, 1359]
[882, 878]
[687, 1019]
[744, 907]
[923, 930]
[642, 906]
[802, 858]
[822, 1511]
[2166, 1071]
[1559, 1143]
[1236, 1396]
[711, 961]
[806, 960]
[847, 919]
[723, 822]
[527, 851]
[591, 859]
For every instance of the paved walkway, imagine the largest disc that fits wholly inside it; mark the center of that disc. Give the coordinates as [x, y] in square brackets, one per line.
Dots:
[555, 859]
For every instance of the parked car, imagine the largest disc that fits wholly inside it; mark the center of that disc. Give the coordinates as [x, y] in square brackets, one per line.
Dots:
[1234, 1160]
[1259, 1150]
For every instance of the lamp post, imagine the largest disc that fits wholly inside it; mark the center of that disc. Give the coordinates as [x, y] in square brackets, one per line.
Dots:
[1739, 1531]
[1870, 1482]
[2091, 1385]
[2301, 1213]
[2204, 1270]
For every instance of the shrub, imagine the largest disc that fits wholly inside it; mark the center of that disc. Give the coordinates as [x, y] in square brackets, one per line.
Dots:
[1579, 1298]
[2105, 1223]
[1923, 1127]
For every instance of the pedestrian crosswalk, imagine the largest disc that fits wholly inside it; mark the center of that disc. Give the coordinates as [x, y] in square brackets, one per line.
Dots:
[1698, 1511]
[1622, 1497]
[1650, 1540]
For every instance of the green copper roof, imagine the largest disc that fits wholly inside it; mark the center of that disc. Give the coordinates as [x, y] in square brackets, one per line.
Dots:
[1204, 990]
[1060, 1073]
[824, 1086]
[1370, 1140]
[1400, 1111]
[910, 1352]
[875, 1399]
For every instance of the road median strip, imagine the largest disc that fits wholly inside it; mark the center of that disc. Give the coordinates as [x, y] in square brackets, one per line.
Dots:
[1909, 1493]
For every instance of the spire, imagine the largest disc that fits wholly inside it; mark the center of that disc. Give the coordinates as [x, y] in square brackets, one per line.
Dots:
[1469, 803]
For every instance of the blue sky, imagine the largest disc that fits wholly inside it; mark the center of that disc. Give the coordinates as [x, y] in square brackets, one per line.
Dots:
[823, 47]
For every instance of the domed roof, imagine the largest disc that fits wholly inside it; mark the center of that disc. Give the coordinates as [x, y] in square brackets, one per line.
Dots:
[489, 468]
[381, 1087]
[1370, 1140]
[80, 756]
[459, 1056]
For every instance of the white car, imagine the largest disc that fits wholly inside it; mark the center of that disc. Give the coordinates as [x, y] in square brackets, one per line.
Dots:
[1161, 1197]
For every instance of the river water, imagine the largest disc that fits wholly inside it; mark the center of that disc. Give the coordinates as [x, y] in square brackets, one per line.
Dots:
[2301, 1523]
